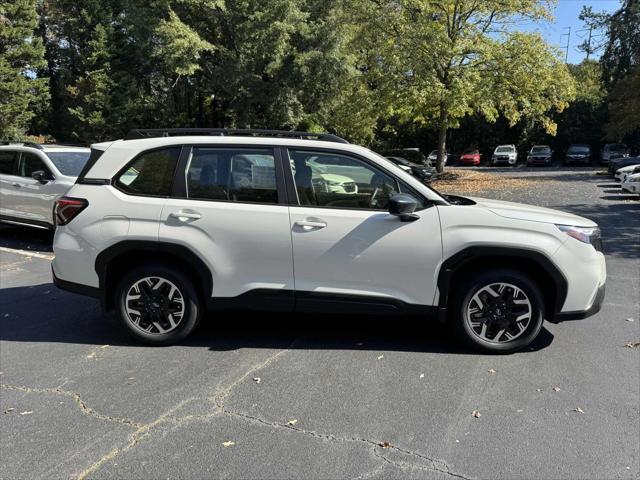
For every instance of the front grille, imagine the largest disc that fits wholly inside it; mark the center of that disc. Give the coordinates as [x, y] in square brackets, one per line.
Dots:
[349, 187]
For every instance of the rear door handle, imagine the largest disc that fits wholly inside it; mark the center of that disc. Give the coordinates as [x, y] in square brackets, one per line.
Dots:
[17, 185]
[308, 224]
[184, 216]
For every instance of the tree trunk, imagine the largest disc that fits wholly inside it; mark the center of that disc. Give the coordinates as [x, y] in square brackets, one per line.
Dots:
[442, 139]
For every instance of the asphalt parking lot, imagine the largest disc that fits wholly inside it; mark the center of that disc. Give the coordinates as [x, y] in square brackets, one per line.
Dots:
[256, 396]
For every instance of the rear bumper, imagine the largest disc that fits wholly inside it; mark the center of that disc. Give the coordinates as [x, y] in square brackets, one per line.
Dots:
[594, 308]
[77, 287]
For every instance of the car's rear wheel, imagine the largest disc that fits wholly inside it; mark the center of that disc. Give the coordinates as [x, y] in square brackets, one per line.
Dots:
[499, 311]
[158, 304]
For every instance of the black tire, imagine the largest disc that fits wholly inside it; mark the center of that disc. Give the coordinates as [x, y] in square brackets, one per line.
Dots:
[191, 307]
[475, 282]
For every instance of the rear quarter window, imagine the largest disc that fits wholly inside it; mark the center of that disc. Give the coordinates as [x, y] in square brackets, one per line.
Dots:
[7, 162]
[151, 173]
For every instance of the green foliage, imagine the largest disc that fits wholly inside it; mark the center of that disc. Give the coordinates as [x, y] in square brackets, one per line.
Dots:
[624, 107]
[439, 62]
[21, 53]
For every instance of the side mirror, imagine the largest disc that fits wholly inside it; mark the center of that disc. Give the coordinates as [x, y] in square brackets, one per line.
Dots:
[40, 176]
[403, 205]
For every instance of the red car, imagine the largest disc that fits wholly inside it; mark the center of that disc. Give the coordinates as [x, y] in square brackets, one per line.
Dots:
[470, 157]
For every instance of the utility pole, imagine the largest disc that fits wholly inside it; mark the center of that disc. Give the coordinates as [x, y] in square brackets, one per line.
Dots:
[589, 41]
[566, 47]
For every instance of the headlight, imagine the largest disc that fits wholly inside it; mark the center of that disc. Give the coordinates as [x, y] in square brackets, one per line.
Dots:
[589, 235]
[636, 179]
[333, 183]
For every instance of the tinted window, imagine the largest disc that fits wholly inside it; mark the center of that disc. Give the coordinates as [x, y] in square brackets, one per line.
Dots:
[236, 175]
[339, 181]
[151, 173]
[32, 163]
[69, 163]
[7, 161]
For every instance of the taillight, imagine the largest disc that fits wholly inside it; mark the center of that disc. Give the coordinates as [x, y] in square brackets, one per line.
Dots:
[68, 208]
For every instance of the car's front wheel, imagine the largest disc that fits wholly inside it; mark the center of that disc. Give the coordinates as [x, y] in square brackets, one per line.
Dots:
[158, 304]
[499, 311]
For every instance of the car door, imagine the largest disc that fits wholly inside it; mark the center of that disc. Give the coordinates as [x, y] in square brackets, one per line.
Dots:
[227, 208]
[347, 244]
[8, 179]
[33, 200]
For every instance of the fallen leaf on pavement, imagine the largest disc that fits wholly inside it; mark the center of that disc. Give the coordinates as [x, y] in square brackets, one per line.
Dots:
[632, 345]
[556, 389]
[228, 443]
[8, 410]
[292, 422]
[27, 412]
[476, 414]
[422, 375]
[492, 370]
[578, 409]
[380, 357]
[630, 320]
[257, 379]
[538, 389]
[384, 445]
[519, 410]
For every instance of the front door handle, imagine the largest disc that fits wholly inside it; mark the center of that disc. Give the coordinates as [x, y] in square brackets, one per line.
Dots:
[185, 216]
[17, 185]
[308, 224]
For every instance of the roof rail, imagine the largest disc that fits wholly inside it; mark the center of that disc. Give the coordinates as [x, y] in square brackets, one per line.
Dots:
[248, 132]
[24, 144]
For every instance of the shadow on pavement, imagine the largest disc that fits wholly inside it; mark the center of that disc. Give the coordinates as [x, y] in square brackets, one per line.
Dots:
[82, 322]
[25, 238]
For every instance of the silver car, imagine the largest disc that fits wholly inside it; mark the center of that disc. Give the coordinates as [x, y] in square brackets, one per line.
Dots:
[33, 177]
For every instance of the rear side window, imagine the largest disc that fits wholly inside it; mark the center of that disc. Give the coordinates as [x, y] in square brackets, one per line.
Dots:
[7, 162]
[232, 174]
[151, 173]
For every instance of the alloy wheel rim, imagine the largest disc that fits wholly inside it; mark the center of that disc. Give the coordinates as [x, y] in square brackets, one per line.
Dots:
[499, 312]
[154, 305]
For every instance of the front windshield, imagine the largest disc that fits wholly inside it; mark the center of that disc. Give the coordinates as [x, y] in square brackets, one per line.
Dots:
[540, 149]
[619, 147]
[504, 149]
[69, 163]
[578, 149]
[470, 152]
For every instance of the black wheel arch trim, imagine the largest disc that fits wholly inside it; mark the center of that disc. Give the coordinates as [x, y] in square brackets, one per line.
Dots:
[107, 256]
[462, 258]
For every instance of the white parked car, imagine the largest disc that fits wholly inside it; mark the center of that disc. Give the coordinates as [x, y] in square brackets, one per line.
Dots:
[631, 183]
[159, 229]
[433, 157]
[613, 150]
[623, 172]
[33, 177]
[505, 154]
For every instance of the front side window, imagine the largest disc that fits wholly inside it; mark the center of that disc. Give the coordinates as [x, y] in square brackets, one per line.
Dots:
[69, 163]
[32, 163]
[340, 181]
[232, 174]
[7, 161]
[151, 173]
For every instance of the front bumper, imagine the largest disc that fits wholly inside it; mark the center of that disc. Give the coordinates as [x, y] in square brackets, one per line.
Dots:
[594, 308]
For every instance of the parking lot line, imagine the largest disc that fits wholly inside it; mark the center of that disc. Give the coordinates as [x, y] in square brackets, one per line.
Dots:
[27, 253]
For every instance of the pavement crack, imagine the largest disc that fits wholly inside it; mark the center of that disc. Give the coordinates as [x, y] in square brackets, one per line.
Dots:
[432, 464]
[142, 432]
[220, 397]
[77, 398]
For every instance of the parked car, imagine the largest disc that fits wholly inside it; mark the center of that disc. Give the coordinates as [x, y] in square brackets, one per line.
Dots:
[421, 172]
[471, 156]
[505, 154]
[540, 155]
[180, 235]
[32, 177]
[631, 183]
[613, 150]
[621, 173]
[618, 163]
[578, 153]
[433, 156]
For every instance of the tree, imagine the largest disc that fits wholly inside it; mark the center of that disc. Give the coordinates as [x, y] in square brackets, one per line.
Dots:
[21, 54]
[439, 61]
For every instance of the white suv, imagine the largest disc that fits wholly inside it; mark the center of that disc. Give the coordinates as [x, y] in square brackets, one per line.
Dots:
[162, 228]
[33, 177]
[505, 154]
